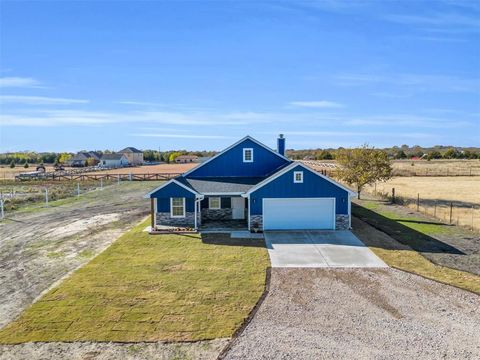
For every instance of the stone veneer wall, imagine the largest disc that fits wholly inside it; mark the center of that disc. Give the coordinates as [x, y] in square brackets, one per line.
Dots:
[216, 214]
[256, 219]
[341, 222]
[163, 218]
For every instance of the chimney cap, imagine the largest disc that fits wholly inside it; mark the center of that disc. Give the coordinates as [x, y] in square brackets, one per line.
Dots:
[280, 136]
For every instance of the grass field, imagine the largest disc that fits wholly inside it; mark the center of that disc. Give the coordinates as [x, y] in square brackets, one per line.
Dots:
[436, 194]
[436, 167]
[6, 173]
[411, 244]
[151, 288]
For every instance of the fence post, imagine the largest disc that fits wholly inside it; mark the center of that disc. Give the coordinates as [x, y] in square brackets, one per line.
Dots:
[393, 195]
[78, 189]
[2, 214]
[101, 184]
[418, 202]
[473, 209]
[118, 179]
[46, 197]
[130, 176]
[435, 209]
[451, 211]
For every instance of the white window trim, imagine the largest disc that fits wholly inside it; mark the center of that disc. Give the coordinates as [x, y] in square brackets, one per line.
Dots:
[244, 151]
[295, 173]
[171, 208]
[210, 203]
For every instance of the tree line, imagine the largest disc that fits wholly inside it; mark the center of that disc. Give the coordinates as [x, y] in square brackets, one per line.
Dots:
[403, 152]
[396, 152]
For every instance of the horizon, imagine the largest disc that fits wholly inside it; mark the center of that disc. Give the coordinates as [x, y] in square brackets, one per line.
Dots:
[190, 75]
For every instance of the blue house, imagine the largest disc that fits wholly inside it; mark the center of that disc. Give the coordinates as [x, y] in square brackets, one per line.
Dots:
[252, 184]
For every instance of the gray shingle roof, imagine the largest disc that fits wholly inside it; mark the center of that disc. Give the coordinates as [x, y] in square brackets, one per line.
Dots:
[220, 185]
[111, 156]
[130, 149]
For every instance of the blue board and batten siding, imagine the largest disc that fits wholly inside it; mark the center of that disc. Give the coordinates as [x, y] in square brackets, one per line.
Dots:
[313, 186]
[230, 163]
[173, 190]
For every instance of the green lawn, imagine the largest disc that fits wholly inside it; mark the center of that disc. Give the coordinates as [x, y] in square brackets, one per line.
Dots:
[151, 288]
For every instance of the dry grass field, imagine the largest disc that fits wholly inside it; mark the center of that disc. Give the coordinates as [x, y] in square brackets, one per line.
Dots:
[436, 194]
[6, 173]
[436, 167]
[152, 169]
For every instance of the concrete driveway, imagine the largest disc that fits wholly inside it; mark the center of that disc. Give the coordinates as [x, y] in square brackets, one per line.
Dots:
[319, 249]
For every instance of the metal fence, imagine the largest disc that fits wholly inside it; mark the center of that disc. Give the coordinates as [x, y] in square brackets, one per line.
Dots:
[449, 212]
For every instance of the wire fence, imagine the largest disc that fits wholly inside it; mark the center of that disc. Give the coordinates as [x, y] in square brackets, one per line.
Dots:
[34, 195]
[441, 171]
[449, 212]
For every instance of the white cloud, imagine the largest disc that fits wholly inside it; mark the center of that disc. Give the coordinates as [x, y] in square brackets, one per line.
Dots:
[320, 104]
[358, 133]
[18, 82]
[183, 136]
[39, 100]
[77, 117]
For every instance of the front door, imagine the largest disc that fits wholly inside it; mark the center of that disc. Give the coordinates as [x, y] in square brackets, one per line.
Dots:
[238, 208]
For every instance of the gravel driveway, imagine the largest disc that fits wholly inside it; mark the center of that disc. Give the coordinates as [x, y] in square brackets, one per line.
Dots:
[360, 314]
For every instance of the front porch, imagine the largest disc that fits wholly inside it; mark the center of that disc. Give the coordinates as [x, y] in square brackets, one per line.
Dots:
[223, 225]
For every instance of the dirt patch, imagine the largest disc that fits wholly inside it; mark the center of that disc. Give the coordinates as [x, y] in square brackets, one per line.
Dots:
[37, 248]
[360, 314]
[202, 350]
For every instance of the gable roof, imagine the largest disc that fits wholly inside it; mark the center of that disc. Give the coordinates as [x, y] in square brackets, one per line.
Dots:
[172, 181]
[248, 137]
[114, 156]
[292, 166]
[131, 149]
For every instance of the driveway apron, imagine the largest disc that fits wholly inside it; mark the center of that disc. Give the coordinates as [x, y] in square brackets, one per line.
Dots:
[319, 249]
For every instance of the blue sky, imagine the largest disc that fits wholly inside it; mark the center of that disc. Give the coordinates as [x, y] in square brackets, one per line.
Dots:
[200, 75]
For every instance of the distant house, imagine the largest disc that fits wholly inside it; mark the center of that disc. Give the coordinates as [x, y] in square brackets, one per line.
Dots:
[113, 160]
[186, 159]
[81, 158]
[309, 157]
[133, 155]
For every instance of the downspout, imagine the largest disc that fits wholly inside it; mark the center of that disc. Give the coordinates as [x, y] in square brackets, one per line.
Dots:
[349, 212]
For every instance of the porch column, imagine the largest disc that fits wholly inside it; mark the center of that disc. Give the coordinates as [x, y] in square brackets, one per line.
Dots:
[152, 214]
[195, 209]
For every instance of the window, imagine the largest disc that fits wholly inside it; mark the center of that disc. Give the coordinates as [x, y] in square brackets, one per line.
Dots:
[177, 207]
[298, 176]
[248, 155]
[214, 203]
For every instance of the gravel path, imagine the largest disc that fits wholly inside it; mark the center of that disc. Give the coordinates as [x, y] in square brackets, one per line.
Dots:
[202, 350]
[361, 314]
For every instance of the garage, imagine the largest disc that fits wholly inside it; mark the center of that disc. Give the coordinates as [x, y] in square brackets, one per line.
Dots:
[298, 213]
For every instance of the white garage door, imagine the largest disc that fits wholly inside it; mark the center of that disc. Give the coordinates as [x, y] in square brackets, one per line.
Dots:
[299, 214]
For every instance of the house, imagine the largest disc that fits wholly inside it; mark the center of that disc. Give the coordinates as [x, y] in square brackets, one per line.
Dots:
[82, 157]
[252, 183]
[186, 159]
[133, 155]
[114, 160]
